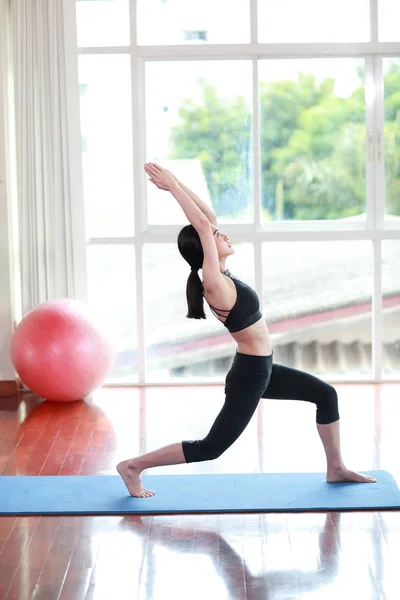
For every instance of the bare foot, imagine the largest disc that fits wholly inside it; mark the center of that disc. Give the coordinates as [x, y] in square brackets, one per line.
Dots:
[132, 481]
[342, 474]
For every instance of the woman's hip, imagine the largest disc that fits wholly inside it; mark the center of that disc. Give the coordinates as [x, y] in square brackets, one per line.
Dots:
[249, 370]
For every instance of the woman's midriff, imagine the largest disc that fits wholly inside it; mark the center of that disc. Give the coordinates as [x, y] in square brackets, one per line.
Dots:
[254, 339]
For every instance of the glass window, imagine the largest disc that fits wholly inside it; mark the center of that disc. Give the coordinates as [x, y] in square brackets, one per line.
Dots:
[391, 74]
[112, 298]
[103, 23]
[389, 19]
[203, 21]
[106, 128]
[198, 121]
[317, 302]
[387, 415]
[290, 21]
[312, 139]
[178, 347]
[391, 307]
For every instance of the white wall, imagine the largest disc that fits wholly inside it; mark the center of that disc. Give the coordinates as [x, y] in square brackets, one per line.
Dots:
[6, 313]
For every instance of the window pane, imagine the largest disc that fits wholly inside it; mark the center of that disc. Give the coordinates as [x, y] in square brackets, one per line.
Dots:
[389, 19]
[106, 125]
[199, 22]
[391, 307]
[391, 67]
[198, 119]
[312, 139]
[387, 411]
[112, 297]
[103, 23]
[317, 301]
[313, 21]
[178, 347]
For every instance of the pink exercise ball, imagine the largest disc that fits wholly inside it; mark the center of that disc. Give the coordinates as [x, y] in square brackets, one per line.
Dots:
[59, 352]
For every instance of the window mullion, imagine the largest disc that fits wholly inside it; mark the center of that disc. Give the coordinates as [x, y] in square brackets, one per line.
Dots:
[256, 148]
[254, 21]
[138, 137]
[379, 162]
[374, 24]
[370, 105]
[377, 307]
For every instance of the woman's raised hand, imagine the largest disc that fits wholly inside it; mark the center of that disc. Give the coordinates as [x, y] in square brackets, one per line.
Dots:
[162, 178]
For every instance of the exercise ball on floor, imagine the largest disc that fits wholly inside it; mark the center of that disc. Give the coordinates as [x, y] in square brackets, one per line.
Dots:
[59, 352]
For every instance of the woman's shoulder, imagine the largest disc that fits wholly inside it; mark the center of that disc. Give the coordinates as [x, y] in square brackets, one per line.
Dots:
[224, 290]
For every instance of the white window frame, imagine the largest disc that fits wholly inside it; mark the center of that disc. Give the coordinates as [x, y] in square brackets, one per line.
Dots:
[374, 229]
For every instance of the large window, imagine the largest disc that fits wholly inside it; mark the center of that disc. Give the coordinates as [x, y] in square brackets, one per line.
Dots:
[391, 138]
[199, 123]
[103, 23]
[313, 21]
[106, 124]
[312, 138]
[184, 22]
[112, 298]
[391, 307]
[317, 303]
[388, 19]
[284, 117]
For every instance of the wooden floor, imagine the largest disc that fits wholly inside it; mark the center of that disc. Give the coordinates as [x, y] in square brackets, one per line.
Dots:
[261, 556]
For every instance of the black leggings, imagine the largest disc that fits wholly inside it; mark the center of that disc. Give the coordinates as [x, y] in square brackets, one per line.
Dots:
[249, 379]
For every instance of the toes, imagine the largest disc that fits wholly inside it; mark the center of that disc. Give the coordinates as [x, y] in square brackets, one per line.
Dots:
[143, 493]
[350, 476]
[367, 480]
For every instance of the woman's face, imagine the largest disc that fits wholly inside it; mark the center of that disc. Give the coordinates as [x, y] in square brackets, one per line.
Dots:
[223, 244]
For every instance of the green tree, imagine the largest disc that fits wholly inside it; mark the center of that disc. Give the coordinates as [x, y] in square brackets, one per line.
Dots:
[392, 137]
[322, 167]
[312, 147]
[218, 132]
[392, 165]
[281, 106]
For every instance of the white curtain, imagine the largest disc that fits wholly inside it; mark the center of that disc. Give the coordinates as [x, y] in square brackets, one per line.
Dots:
[47, 149]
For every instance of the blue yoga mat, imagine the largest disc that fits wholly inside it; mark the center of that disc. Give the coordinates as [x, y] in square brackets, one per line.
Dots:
[218, 493]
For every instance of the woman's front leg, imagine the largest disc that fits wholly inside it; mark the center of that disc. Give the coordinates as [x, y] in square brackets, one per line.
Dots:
[131, 470]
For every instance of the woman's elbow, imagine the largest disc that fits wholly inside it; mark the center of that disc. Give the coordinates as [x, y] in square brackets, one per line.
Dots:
[203, 224]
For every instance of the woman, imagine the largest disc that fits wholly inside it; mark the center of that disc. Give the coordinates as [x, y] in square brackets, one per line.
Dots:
[253, 374]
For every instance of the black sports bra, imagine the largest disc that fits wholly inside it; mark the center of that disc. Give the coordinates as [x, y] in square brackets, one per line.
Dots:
[246, 310]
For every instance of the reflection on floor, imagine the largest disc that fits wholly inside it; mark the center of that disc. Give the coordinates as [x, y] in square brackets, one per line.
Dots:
[259, 556]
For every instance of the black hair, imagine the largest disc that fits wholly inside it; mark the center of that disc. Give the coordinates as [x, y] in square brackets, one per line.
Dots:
[190, 247]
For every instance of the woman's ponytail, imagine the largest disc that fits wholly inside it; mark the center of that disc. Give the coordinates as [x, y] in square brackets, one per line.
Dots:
[190, 247]
[194, 296]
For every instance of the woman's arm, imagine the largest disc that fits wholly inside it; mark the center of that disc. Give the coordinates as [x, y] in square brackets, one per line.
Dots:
[165, 180]
[205, 209]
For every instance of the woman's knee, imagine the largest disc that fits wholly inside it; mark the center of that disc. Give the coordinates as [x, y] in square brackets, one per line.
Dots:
[201, 450]
[328, 406]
